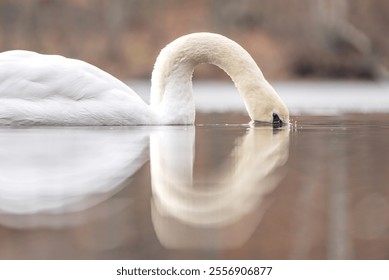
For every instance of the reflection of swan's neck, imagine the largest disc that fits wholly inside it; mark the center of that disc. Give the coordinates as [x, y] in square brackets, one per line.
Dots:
[171, 90]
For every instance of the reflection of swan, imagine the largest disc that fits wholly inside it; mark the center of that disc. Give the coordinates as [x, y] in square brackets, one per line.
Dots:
[48, 172]
[227, 206]
[52, 90]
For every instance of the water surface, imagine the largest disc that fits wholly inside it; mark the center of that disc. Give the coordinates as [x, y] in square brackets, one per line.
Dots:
[315, 190]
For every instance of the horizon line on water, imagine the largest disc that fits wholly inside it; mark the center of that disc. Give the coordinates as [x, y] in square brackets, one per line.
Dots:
[301, 97]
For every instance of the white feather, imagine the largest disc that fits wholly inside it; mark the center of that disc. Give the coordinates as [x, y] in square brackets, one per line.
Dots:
[37, 89]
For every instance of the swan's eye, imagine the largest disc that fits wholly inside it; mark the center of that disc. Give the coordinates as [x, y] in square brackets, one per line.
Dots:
[277, 122]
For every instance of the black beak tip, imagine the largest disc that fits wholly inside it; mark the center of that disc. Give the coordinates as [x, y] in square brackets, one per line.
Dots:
[277, 122]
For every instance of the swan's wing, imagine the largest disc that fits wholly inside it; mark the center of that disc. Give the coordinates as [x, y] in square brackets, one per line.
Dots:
[30, 75]
[51, 89]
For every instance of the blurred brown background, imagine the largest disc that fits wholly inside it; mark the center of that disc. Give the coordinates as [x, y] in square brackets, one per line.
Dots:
[289, 39]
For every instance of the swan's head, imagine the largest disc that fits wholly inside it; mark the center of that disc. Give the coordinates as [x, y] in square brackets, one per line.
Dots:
[264, 106]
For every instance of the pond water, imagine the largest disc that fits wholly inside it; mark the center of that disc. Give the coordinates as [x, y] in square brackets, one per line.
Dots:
[318, 189]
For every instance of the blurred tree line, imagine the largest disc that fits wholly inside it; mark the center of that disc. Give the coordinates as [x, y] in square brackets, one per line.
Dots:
[288, 39]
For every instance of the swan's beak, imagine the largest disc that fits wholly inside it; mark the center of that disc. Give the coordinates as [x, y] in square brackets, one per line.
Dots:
[277, 122]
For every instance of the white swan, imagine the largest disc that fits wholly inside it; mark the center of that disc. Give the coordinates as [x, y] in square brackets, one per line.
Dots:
[38, 89]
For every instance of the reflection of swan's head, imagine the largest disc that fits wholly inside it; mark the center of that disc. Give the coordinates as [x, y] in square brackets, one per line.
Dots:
[189, 212]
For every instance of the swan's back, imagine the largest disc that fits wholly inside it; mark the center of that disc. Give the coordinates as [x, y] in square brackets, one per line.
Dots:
[54, 90]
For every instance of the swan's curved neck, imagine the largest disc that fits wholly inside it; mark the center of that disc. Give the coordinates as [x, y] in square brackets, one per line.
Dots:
[171, 83]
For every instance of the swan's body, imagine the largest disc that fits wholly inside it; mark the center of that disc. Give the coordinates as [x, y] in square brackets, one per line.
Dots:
[40, 89]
